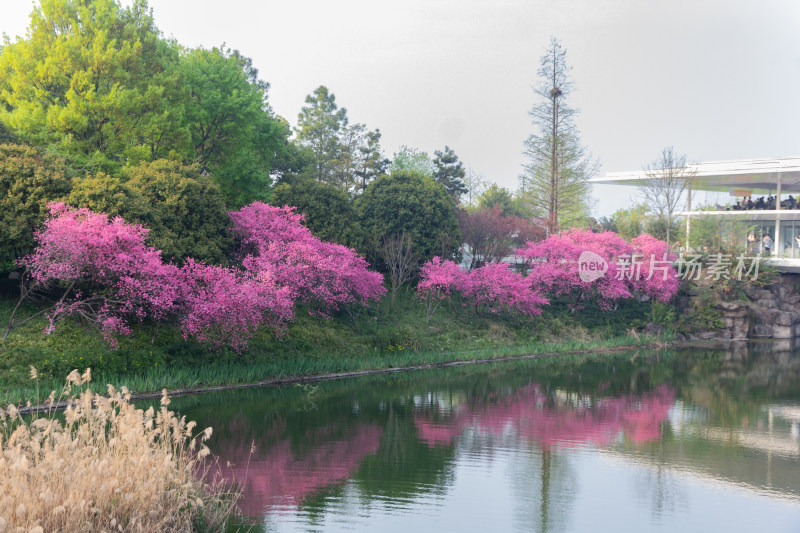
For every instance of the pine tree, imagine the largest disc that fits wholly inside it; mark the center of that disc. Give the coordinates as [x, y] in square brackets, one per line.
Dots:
[554, 182]
[449, 171]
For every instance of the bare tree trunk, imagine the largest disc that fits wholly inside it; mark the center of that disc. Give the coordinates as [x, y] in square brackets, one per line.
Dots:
[398, 254]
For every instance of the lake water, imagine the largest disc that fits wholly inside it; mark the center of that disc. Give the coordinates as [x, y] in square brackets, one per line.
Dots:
[645, 441]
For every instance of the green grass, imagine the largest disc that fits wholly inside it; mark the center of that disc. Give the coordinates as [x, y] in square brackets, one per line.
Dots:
[381, 338]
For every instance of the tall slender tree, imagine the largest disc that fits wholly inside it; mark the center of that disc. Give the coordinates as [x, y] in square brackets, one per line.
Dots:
[449, 171]
[320, 125]
[554, 182]
[668, 177]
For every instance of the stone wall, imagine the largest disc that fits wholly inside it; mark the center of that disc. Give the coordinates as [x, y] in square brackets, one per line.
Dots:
[767, 312]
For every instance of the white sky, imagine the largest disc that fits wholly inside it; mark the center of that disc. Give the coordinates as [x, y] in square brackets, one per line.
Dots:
[718, 79]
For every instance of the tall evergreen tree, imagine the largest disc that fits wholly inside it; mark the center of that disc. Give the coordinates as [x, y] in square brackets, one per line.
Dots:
[554, 182]
[344, 155]
[371, 162]
[320, 124]
[449, 171]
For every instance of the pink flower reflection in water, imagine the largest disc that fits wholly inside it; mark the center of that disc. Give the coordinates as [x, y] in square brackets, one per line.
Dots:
[279, 476]
[529, 414]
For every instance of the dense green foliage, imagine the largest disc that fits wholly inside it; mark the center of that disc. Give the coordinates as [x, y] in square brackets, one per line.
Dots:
[329, 211]
[412, 204]
[29, 180]
[449, 171]
[234, 135]
[184, 210]
[500, 197]
[98, 83]
[95, 80]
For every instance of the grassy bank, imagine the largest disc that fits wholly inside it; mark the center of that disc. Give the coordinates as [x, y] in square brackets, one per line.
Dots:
[380, 338]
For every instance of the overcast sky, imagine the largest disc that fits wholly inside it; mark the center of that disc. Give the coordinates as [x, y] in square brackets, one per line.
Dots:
[718, 79]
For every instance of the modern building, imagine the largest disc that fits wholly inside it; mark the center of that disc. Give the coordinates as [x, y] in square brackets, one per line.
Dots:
[756, 180]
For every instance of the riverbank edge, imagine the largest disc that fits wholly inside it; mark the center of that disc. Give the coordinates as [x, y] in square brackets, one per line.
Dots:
[311, 378]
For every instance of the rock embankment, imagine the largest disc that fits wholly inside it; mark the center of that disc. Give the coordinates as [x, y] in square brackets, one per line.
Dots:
[766, 312]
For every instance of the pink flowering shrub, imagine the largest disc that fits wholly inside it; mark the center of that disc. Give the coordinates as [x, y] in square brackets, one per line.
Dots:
[499, 289]
[103, 268]
[494, 287]
[324, 276]
[225, 307]
[104, 272]
[656, 277]
[554, 267]
[437, 280]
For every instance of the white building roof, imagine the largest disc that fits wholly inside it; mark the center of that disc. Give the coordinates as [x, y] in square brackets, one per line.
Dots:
[757, 175]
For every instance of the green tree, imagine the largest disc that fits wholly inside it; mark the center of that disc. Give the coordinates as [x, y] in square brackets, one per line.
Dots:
[449, 171]
[235, 136]
[371, 162]
[184, 209]
[95, 80]
[319, 126]
[412, 160]
[329, 211]
[555, 180]
[630, 222]
[410, 204]
[344, 155]
[500, 197]
[29, 180]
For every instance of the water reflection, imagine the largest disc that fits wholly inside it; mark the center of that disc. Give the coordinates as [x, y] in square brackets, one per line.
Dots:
[559, 418]
[668, 440]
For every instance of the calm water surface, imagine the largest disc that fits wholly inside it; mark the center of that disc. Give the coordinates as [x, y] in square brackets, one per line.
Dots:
[672, 441]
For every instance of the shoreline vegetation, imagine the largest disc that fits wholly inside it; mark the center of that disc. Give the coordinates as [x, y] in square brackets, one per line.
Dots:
[240, 377]
[383, 338]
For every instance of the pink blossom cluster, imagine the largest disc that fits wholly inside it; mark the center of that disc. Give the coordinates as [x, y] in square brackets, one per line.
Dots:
[226, 306]
[325, 276]
[655, 278]
[104, 271]
[553, 267]
[498, 288]
[495, 287]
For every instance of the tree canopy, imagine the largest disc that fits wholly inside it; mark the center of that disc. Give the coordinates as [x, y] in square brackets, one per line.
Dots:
[347, 156]
[29, 180]
[411, 204]
[329, 211]
[449, 171]
[184, 210]
[98, 83]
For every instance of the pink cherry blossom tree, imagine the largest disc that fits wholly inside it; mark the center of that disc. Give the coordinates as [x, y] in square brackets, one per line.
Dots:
[226, 306]
[553, 266]
[497, 288]
[642, 266]
[324, 276]
[438, 280]
[655, 276]
[101, 269]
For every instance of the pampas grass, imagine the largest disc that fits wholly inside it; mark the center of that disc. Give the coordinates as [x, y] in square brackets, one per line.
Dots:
[104, 465]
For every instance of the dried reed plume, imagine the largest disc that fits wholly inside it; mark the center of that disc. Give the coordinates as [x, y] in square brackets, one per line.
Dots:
[105, 465]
